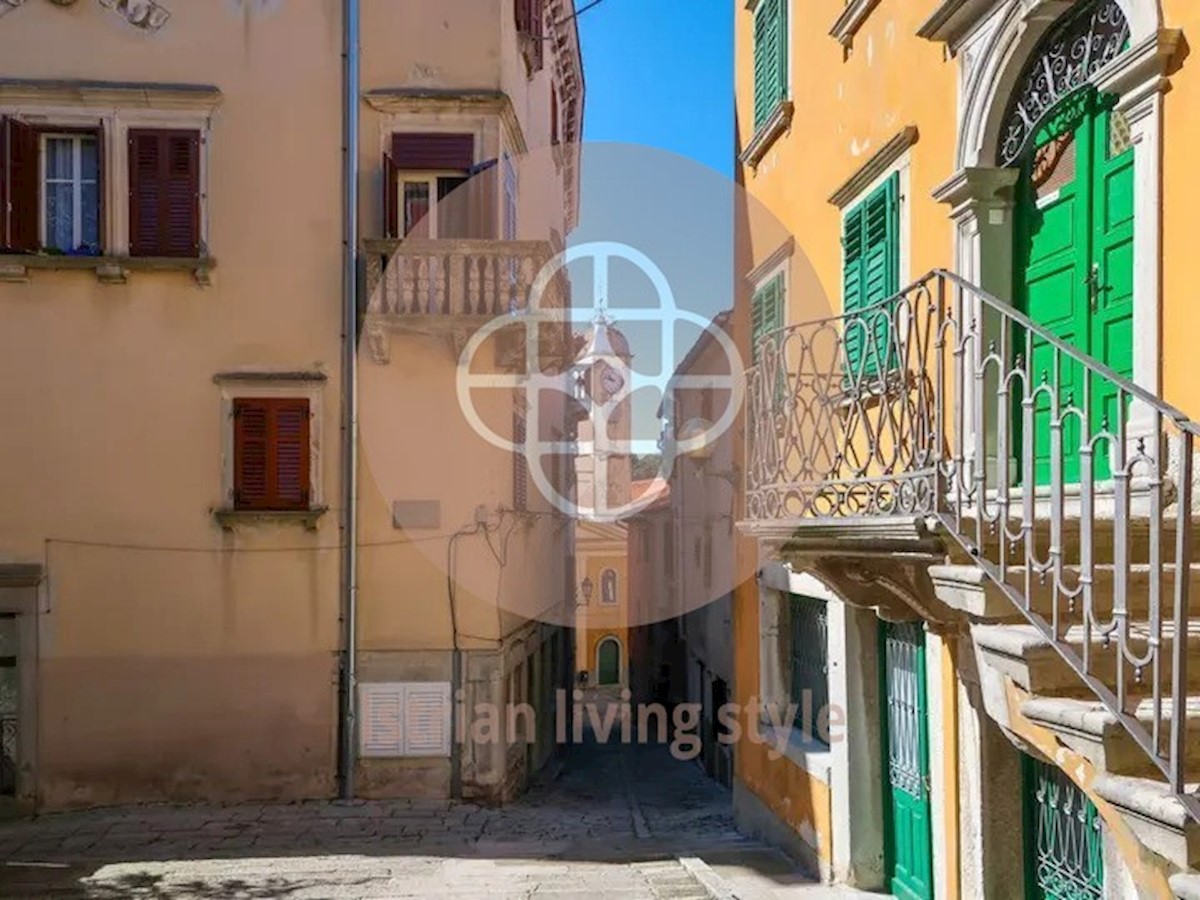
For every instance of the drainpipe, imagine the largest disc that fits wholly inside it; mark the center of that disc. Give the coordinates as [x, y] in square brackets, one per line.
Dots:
[349, 457]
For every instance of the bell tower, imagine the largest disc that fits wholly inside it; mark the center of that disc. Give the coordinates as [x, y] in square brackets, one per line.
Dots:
[603, 464]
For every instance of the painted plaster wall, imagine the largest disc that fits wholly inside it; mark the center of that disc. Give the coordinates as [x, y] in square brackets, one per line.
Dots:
[115, 434]
[175, 659]
[796, 798]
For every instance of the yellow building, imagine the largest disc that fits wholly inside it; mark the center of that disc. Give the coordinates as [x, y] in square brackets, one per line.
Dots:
[969, 490]
[207, 591]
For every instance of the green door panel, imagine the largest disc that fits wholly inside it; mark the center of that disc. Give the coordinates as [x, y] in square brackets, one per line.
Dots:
[609, 664]
[1075, 276]
[910, 835]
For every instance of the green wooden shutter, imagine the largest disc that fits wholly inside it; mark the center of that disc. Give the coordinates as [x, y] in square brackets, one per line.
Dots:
[871, 274]
[770, 58]
[766, 312]
[852, 286]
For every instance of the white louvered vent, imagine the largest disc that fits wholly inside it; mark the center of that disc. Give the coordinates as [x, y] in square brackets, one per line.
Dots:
[404, 718]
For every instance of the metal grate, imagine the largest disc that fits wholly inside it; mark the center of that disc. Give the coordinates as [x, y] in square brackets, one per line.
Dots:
[1120, 137]
[905, 712]
[1064, 840]
[809, 658]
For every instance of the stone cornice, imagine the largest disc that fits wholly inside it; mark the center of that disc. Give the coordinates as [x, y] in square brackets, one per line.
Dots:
[952, 20]
[976, 185]
[764, 268]
[436, 100]
[846, 26]
[879, 163]
[107, 94]
[1142, 70]
[779, 122]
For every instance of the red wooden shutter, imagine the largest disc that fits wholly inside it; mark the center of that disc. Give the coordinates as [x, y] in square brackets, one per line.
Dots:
[4, 168]
[391, 198]
[417, 151]
[271, 453]
[251, 454]
[291, 453]
[164, 192]
[22, 191]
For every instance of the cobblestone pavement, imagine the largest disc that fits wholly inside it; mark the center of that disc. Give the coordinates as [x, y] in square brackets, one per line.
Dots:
[615, 822]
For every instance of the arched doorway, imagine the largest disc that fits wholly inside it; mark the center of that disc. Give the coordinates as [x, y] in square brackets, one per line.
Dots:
[1073, 224]
[608, 661]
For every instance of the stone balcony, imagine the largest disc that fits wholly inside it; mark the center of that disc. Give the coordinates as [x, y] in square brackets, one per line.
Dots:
[448, 288]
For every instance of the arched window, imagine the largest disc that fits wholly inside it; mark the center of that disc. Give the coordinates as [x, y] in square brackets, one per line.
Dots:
[608, 586]
[608, 661]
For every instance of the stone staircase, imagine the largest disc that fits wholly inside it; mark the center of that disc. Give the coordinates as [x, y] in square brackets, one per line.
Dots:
[1065, 704]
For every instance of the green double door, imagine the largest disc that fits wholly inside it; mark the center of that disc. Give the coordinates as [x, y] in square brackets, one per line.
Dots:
[906, 779]
[1074, 257]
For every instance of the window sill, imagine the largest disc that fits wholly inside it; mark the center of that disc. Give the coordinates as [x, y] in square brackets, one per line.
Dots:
[779, 122]
[852, 18]
[810, 755]
[232, 519]
[15, 267]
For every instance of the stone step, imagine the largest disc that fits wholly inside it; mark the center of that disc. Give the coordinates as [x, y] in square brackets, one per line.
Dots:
[1186, 885]
[1022, 653]
[1091, 729]
[969, 589]
[1162, 821]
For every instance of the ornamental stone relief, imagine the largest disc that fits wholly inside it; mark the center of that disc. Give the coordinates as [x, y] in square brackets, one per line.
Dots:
[148, 15]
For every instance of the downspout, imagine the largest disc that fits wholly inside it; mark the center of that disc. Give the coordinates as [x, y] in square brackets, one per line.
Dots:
[349, 457]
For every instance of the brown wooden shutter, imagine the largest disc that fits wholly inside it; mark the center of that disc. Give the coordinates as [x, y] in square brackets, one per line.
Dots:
[164, 192]
[21, 170]
[554, 126]
[391, 198]
[291, 453]
[271, 453]
[251, 454]
[417, 151]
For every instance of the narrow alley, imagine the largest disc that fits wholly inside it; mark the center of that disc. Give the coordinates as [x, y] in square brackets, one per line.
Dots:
[614, 821]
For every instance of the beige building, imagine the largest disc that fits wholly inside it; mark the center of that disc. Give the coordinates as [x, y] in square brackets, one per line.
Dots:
[186, 569]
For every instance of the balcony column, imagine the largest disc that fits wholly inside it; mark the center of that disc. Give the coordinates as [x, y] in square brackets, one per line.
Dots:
[981, 204]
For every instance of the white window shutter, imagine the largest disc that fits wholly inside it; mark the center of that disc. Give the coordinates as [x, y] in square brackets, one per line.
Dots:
[381, 710]
[404, 719]
[427, 720]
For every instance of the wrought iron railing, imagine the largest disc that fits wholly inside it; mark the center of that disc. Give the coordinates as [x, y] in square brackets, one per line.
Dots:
[1070, 486]
[451, 277]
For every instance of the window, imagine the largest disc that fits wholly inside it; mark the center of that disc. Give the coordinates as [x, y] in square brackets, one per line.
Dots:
[555, 134]
[770, 59]
[421, 177]
[871, 274]
[530, 17]
[808, 657]
[70, 220]
[608, 587]
[520, 471]
[271, 453]
[164, 192]
[50, 188]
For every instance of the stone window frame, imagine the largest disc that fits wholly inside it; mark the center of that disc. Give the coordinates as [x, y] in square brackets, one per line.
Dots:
[304, 385]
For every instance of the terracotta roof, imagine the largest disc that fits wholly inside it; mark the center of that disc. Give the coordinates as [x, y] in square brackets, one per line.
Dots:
[641, 487]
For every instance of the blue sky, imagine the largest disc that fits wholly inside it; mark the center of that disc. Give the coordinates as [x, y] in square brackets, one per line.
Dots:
[660, 73]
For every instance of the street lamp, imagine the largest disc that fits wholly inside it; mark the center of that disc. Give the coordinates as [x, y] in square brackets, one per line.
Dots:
[586, 588]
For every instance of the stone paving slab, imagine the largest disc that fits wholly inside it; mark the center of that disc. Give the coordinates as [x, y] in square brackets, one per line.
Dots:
[616, 823]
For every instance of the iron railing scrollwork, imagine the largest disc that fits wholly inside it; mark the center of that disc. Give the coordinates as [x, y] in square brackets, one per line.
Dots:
[1068, 484]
